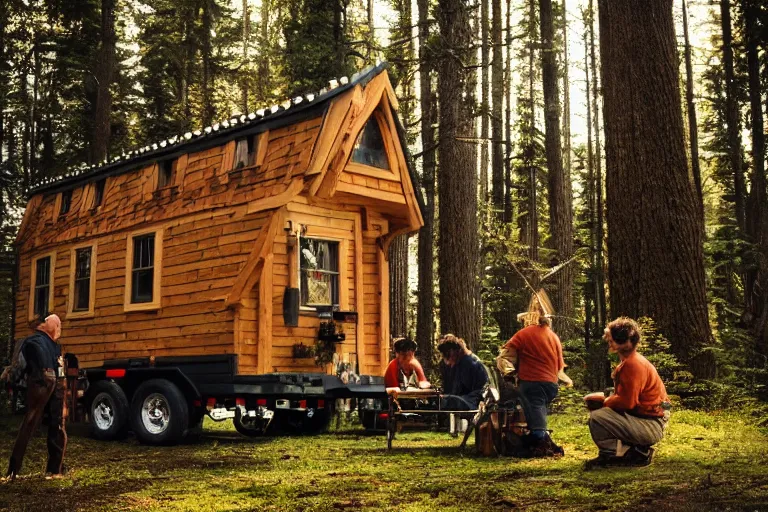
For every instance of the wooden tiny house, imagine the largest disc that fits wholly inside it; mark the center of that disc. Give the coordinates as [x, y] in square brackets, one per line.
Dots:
[231, 239]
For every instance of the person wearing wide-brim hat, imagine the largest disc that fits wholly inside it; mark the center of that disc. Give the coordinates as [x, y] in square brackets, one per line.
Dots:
[536, 353]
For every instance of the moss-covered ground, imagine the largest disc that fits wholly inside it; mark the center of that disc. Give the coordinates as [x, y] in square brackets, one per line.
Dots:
[707, 461]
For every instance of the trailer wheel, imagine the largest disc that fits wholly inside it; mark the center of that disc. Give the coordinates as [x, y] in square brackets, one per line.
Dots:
[249, 427]
[109, 410]
[159, 412]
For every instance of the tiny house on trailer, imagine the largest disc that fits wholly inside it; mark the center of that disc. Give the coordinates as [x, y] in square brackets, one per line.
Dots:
[206, 273]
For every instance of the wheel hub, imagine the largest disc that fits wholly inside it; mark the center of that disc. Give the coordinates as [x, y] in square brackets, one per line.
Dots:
[155, 413]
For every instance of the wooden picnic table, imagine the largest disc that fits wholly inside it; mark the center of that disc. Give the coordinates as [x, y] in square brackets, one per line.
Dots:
[394, 410]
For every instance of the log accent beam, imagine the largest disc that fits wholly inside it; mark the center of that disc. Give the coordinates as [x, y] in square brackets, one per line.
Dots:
[254, 265]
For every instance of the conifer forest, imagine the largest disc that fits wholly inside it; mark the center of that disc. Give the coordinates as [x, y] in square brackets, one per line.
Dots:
[609, 152]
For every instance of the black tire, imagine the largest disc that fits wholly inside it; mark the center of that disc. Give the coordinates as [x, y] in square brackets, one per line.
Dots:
[159, 413]
[370, 420]
[249, 428]
[108, 409]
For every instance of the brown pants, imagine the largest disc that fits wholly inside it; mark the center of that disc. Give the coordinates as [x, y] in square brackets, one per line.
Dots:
[614, 431]
[44, 393]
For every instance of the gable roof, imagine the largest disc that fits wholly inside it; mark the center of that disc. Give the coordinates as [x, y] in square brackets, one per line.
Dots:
[286, 113]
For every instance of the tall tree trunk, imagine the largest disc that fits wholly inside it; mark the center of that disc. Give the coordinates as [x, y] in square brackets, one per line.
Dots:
[398, 285]
[4, 80]
[245, 72]
[370, 30]
[566, 97]
[34, 169]
[732, 119]
[398, 253]
[207, 51]
[425, 327]
[589, 190]
[263, 75]
[758, 210]
[508, 116]
[457, 180]
[657, 264]
[559, 184]
[105, 68]
[532, 236]
[693, 128]
[484, 104]
[497, 121]
[601, 304]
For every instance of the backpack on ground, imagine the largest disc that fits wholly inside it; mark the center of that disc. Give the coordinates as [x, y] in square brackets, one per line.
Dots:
[15, 373]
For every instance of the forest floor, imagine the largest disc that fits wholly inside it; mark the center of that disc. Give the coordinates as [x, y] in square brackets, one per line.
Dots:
[707, 461]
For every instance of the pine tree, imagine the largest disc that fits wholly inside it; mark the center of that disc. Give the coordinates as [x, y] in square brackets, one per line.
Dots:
[656, 266]
[425, 329]
[457, 181]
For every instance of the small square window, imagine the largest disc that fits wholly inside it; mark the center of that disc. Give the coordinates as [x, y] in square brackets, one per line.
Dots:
[165, 176]
[245, 152]
[99, 193]
[66, 202]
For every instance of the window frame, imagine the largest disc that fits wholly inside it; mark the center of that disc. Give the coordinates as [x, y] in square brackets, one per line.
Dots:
[256, 147]
[389, 151]
[71, 312]
[161, 171]
[96, 202]
[33, 284]
[340, 274]
[157, 270]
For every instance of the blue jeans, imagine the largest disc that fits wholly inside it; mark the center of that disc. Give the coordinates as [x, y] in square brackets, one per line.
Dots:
[536, 396]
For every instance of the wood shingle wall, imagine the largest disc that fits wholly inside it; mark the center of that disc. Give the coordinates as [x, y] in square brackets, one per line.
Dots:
[210, 216]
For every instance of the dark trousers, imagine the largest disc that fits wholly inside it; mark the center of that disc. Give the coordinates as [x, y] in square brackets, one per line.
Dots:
[44, 393]
[536, 397]
[457, 403]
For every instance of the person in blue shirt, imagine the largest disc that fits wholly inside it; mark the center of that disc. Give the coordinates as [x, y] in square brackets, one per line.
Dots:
[464, 376]
[46, 391]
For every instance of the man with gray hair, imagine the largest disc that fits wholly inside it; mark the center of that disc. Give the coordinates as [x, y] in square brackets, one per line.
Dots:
[46, 391]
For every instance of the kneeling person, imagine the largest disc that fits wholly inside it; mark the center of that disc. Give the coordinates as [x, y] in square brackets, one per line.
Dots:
[634, 418]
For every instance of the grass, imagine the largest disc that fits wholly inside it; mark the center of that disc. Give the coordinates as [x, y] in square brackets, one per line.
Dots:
[707, 461]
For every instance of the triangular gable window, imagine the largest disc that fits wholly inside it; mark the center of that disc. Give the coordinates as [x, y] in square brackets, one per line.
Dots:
[369, 148]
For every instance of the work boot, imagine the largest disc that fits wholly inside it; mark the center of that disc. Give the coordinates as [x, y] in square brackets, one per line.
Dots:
[637, 456]
[640, 456]
[546, 448]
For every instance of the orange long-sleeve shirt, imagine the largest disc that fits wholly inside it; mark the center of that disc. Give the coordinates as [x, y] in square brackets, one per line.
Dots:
[539, 353]
[639, 389]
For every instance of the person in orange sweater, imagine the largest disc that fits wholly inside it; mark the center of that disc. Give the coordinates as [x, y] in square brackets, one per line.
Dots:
[538, 355]
[634, 418]
[405, 370]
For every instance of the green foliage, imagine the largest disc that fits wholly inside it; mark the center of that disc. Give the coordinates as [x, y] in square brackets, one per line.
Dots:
[315, 44]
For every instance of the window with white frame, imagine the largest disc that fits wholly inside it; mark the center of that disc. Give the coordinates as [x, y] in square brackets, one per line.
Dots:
[319, 272]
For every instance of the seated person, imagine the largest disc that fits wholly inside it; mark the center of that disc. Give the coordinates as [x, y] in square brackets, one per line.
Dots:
[464, 376]
[634, 418]
[405, 370]
[538, 354]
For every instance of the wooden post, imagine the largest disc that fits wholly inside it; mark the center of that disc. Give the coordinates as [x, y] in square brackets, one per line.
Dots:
[264, 353]
[383, 310]
[360, 296]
